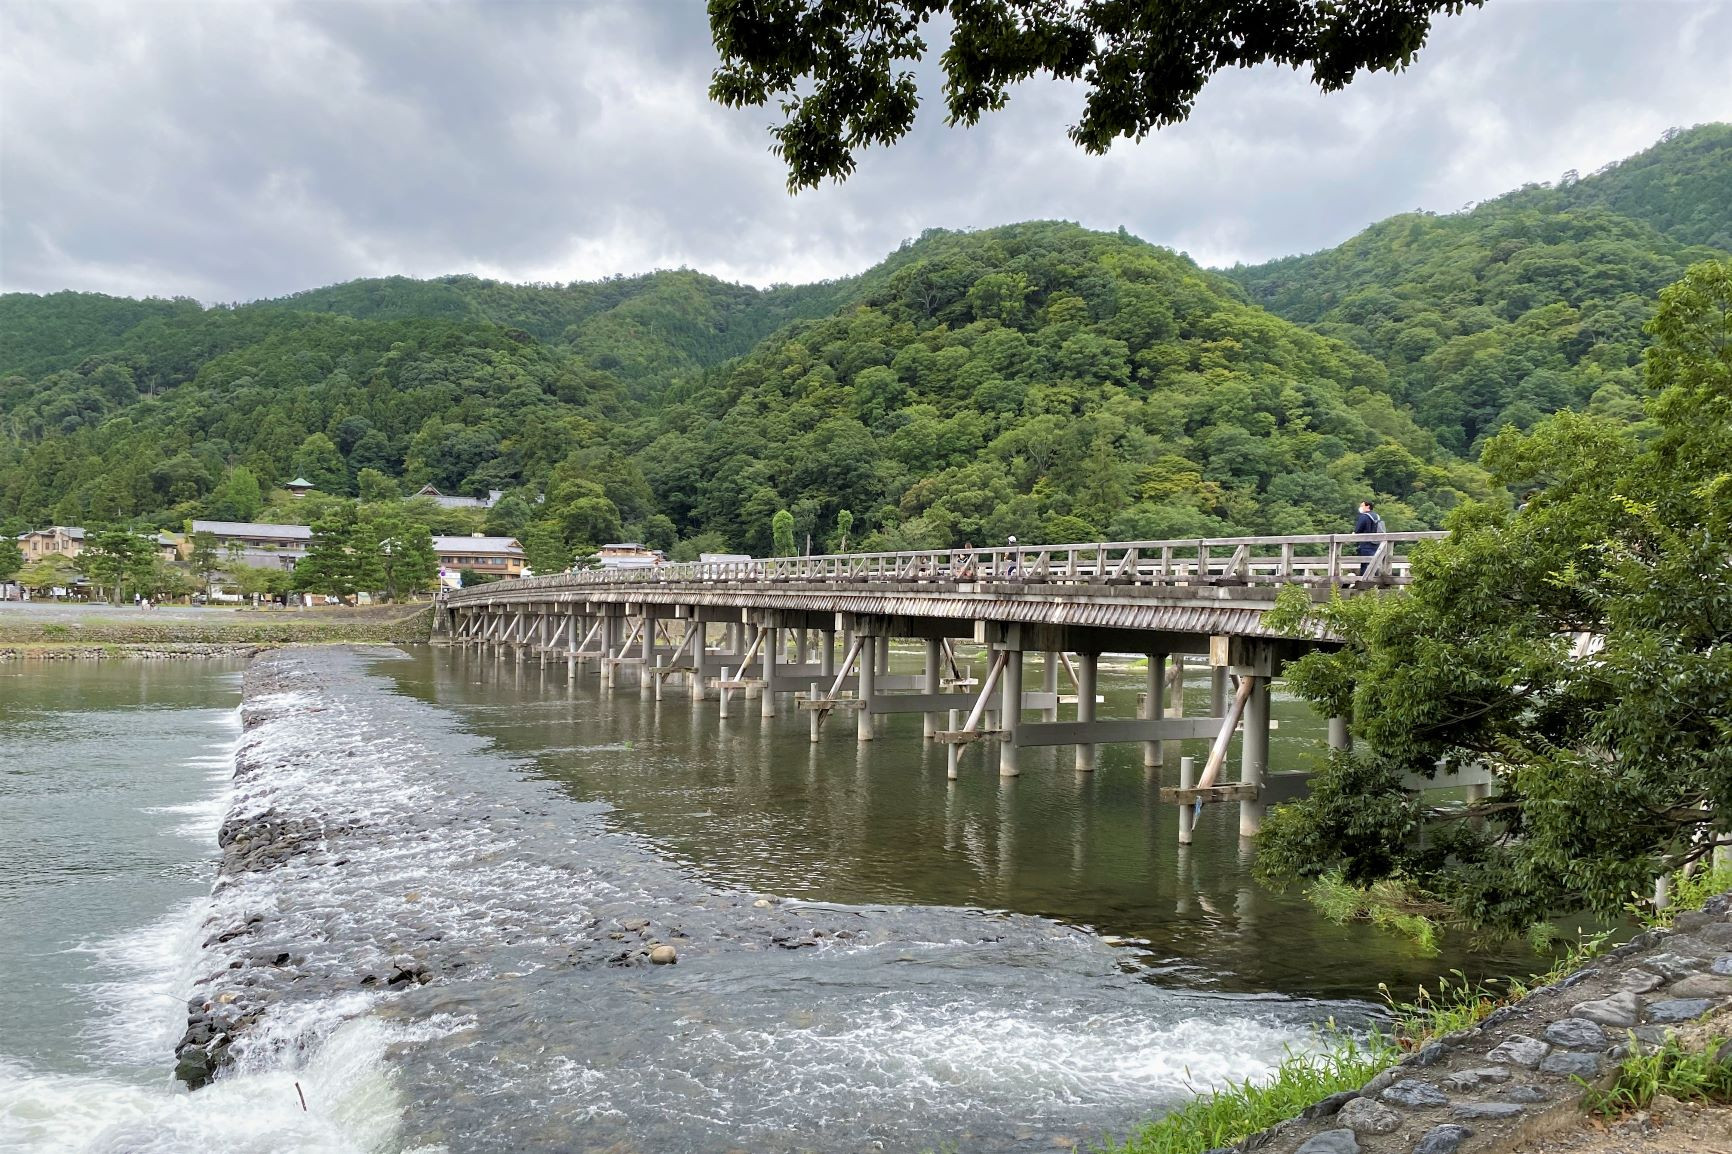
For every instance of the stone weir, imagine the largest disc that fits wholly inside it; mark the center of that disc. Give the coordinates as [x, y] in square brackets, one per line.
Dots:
[1523, 1071]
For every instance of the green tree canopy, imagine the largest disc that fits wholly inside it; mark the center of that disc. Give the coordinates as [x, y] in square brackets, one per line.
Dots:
[839, 69]
[1580, 646]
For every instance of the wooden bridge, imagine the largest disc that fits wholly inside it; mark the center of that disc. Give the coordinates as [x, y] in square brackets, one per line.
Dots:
[815, 632]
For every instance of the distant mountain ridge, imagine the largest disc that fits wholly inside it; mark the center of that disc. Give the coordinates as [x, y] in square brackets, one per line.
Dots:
[1525, 304]
[1039, 378]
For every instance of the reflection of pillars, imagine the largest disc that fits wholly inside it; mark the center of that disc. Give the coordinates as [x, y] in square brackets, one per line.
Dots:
[953, 751]
[1245, 904]
[827, 655]
[1088, 664]
[1049, 685]
[1254, 755]
[771, 651]
[1218, 691]
[934, 649]
[1187, 811]
[1339, 738]
[1006, 833]
[1010, 707]
[868, 685]
[1153, 685]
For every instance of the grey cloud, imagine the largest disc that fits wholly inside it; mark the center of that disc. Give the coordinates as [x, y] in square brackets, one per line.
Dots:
[229, 151]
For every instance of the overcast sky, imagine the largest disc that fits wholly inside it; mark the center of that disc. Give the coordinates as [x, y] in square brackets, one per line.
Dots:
[233, 150]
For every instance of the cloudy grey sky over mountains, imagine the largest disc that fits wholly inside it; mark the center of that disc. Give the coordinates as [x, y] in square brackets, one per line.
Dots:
[228, 150]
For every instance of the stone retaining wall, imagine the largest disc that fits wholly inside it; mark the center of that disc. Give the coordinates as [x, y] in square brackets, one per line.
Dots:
[1522, 1072]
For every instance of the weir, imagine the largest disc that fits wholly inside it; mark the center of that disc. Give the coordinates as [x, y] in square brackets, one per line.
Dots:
[815, 633]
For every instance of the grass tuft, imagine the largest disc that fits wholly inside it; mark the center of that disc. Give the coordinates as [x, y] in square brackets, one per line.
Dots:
[1689, 1076]
[1385, 904]
[1238, 1110]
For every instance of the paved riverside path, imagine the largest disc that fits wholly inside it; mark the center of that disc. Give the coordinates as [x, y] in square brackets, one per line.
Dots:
[1521, 1073]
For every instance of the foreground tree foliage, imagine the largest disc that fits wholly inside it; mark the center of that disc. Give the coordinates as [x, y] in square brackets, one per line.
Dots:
[1580, 645]
[837, 67]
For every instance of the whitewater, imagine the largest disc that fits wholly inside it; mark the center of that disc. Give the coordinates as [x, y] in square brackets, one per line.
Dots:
[410, 942]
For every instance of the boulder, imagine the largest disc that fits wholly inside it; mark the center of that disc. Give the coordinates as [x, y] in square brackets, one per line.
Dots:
[1576, 1034]
[1363, 1116]
[1445, 1139]
[1621, 1009]
[1330, 1142]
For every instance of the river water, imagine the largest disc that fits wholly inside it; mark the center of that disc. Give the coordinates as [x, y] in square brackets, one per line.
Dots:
[870, 957]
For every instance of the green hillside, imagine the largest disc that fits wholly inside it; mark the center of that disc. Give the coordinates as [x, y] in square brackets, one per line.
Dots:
[1050, 382]
[1526, 304]
[1037, 379]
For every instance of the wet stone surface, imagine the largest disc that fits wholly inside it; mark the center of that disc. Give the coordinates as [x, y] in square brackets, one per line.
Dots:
[386, 872]
[1522, 1070]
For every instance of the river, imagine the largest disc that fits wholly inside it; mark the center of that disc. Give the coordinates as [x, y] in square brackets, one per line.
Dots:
[869, 957]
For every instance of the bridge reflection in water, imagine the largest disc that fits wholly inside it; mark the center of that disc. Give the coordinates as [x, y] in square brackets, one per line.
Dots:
[816, 631]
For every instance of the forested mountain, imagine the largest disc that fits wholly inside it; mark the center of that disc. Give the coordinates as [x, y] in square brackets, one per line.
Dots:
[645, 329]
[1526, 304]
[1038, 379]
[1050, 382]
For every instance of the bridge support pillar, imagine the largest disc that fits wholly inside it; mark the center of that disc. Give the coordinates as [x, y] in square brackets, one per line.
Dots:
[1254, 755]
[1154, 707]
[868, 683]
[1010, 709]
[647, 655]
[1339, 738]
[770, 656]
[883, 651]
[609, 647]
[700, 659]
[1175, 705]
[934, 651]
[1187, 811]
[1218, 694]
[1049, 684]
[827, 655]
[1087, 665]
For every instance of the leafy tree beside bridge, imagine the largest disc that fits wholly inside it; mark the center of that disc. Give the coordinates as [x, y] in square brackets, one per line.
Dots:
[838, 67]
[1581, 645]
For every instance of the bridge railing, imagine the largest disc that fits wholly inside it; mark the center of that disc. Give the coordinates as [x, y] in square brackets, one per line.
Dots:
[1316, 559]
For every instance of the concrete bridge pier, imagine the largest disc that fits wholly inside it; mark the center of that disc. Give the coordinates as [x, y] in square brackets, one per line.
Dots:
[769, 658]
[1254, 756]
[1339, 738]
[827, 655]
[1154, 705]
[700, 659]
[870, 644]
[646, 655]
[1187, 811]
[1010, 710]
[1049, 685]
[1087, 668]
[933, 680]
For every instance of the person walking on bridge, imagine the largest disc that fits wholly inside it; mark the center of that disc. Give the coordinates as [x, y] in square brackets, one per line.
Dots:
[1367, 522]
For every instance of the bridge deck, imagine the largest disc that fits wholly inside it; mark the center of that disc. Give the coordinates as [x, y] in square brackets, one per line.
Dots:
[1206, 587]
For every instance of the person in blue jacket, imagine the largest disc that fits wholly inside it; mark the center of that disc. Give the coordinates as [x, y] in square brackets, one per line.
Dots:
[1367, 522]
